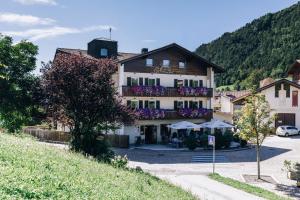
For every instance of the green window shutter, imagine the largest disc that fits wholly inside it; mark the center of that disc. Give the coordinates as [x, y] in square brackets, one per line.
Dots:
[158, 81]
[191, 83]
[200, 104]
[201, 83]
[191, 104]
[141, 81]
[146, 81]
[175, 83]
[140, 104]
[128, 103]
[146, 104]
[186, 83]
[186, 104]
[157, 104]
[175, 105]
[128, 81]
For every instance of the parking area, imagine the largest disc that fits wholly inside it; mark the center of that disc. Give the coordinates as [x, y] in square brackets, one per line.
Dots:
[233, 164]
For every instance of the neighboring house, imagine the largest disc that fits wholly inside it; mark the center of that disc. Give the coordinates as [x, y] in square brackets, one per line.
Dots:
[283, 97]
[165, 85]
[223, 104]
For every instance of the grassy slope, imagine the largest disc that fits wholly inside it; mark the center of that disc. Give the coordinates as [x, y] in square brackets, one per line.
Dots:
[247, 188]
[30, 170]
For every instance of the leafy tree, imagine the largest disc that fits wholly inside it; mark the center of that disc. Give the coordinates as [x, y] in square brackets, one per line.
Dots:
[79, 91]
[269, 43]
[255, 122]
[17, 84]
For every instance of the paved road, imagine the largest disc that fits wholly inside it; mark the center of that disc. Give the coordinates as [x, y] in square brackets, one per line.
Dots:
[178, 166]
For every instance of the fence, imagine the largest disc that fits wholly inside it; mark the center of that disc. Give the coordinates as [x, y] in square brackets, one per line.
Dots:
[121, 141]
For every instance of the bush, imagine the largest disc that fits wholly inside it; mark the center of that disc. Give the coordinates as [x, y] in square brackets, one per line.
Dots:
[204, 140]
[243, 143]
[227, 138]
[191, 142]
[219, 140]
[119, 162]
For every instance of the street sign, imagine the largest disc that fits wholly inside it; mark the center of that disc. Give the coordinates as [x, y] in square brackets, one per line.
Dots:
[211, 140]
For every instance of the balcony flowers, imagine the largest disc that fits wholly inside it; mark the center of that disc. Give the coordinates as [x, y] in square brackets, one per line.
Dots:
[193, 91]
[147, 113]
[194, 113]
[148, 90]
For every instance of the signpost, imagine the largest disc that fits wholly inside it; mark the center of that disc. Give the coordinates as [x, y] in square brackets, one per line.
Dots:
[212, 141]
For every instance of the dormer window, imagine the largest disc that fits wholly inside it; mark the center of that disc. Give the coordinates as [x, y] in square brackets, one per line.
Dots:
[166, 63]
[149, 62]
[181, 65]
[103, 52]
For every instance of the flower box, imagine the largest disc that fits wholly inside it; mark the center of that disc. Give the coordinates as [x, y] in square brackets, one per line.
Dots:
[193, 91]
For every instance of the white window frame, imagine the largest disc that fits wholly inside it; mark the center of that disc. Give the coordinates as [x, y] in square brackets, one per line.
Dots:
[151, 79]
[134, 79]
[154, 103]
[134, 104]
[181, 66]
[149, 64]
[181, 83]
[104, 51]
[182, 104]
[164, 64]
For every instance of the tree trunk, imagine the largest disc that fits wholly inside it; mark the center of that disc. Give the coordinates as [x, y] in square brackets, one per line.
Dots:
[258, 160]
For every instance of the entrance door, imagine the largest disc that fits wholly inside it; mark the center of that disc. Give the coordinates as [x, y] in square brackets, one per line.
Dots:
[150, 134]
[285, 119]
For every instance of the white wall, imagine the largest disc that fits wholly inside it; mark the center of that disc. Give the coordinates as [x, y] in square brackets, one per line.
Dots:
[226, 105]
[166, 80]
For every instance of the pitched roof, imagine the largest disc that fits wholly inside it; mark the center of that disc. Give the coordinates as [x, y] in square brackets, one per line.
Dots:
[268, 86]
[121, 55]
[216, 67]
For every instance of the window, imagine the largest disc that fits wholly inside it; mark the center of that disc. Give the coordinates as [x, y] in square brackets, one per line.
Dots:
[149, 62]
[277, 88]
[166, 63]
[134, 104]
[179, 83]
[103, 52]
[295, 99]
[179, 104]
[181, 64]
[151, 105]
[286, 87]
[134, 81]
[151, 82]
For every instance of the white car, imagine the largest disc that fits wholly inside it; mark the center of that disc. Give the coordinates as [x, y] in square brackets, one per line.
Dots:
[287, 131]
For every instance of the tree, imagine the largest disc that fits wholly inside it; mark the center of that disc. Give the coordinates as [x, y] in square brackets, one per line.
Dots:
[80, 92]
[17, 83]
[254, 122]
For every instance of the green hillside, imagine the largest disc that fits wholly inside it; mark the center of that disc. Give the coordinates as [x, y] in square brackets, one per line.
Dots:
[265, 47]
[33, 170]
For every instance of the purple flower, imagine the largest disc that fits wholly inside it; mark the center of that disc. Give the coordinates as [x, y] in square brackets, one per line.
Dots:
[194, 113]
[192, 91]
[147, 113]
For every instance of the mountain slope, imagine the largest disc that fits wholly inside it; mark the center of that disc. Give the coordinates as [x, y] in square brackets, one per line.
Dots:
[265, 47]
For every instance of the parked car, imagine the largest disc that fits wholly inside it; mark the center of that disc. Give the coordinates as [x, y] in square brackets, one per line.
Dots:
[287, 131]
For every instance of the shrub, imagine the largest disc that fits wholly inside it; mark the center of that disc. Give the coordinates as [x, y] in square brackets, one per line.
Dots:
[243, 143]
[204, 140]
[227, 138]
[191, 142]
[119, 161]
[219, 140]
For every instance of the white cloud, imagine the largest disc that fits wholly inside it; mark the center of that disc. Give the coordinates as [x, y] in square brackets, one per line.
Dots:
[37, 34]
[24, 20]
[148, 41]
[34, 2]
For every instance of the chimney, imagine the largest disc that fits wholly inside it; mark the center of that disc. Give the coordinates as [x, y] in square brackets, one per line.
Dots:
[144, 50]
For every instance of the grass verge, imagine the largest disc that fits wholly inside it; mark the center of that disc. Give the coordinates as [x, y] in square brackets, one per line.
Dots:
[33, 170]
[247, 188]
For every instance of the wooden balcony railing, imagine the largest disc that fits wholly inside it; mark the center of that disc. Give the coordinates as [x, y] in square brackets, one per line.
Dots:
[160, 91]
[161, 114]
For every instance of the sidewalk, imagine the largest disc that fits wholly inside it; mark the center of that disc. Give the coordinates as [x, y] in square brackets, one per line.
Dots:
[208, 189]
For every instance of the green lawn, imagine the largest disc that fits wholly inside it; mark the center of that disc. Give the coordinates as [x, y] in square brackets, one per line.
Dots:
[247, 188]
[31, 170]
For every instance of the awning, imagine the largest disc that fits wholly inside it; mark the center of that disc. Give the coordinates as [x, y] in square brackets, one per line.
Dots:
[215, 124]
[183, 125]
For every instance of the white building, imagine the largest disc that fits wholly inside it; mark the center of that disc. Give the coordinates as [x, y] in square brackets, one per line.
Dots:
[165, 85]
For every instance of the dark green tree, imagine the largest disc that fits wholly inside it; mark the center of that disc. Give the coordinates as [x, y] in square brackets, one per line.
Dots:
[17, 83]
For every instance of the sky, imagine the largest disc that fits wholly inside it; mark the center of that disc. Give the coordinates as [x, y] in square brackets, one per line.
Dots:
[135, 24]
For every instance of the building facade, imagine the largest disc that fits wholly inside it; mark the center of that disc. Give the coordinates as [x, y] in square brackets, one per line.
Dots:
[165, 85]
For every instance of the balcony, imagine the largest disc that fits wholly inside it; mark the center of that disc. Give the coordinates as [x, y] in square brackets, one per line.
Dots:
[160, 91]
[162, 114]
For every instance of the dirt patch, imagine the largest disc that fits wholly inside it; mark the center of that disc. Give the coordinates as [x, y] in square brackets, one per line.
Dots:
[263, 179]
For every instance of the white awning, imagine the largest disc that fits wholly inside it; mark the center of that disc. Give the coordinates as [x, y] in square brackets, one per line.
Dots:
[183, 125]
[215, 124]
